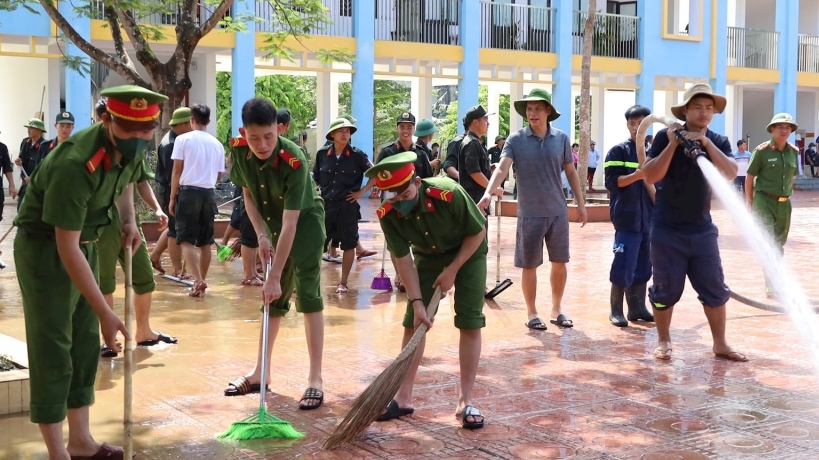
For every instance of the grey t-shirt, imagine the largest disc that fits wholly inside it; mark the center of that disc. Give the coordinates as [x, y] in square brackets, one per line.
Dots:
[538, 164]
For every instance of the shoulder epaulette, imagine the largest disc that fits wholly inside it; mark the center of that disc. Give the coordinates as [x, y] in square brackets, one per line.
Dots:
[763, 145]
[238, 141]
[793, 146]
[383, 210]
[291, 159]
[439, 194]
[99, 157]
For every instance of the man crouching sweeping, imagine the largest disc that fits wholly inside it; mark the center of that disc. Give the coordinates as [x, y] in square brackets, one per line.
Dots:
[448, 238]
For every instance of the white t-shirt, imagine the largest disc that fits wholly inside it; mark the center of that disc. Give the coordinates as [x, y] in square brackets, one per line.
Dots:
[204, 158]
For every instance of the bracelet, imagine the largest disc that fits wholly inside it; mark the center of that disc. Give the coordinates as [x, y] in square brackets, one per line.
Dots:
[263, 235]
[412, 301]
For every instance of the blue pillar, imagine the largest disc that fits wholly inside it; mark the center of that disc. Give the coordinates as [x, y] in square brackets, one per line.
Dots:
[469, 67]
[787, 16]
[77, 87]
[719, 79]
[363, 85]
[243, 66]
[562, 90]
[648, 44]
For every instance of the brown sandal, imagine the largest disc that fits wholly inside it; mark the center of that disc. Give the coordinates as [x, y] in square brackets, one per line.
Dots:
[106, 451]
[241, 386]
[255, 281]
[198, 289]
[158, 266]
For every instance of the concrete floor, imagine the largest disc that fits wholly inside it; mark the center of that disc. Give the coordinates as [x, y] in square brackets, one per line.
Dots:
[587, 393]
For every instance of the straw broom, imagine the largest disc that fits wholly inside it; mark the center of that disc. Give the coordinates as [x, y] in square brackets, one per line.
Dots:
[371, 403]
[129, 348]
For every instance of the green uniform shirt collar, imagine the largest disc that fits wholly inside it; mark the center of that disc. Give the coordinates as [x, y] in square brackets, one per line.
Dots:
[420, 206]
[105, 141]
[269, 161]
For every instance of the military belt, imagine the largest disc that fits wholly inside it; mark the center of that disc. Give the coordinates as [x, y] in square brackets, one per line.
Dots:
[778, 198]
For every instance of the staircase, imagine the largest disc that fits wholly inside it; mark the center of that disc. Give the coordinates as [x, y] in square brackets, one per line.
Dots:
[806, 183]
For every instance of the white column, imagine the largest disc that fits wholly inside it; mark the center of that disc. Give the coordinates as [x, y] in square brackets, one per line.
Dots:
[51, 104]
[493, 106]
[598, 95]
[335, 79]
[515, 93]
[208, 61]
[324, 104]
[421, 97]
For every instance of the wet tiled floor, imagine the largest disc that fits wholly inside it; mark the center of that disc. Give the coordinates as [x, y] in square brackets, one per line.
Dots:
[585, 393]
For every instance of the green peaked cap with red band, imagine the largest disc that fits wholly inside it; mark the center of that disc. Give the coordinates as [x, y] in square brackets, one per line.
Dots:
[133, 103]
[393, 172]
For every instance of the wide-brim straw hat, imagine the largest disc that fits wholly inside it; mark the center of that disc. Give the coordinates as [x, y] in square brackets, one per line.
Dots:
[700, 89]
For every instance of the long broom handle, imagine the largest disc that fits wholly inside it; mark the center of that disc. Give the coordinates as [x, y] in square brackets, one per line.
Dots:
[7, 233]
[497, 263]
[265, 341]
[129, 347]
[384, 253]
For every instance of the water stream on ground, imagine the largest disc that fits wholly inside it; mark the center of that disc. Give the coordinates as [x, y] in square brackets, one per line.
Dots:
[784, 284]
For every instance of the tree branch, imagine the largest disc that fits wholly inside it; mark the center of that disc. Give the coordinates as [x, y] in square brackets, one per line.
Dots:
[138, 41]
[86, 47]
[214, 18]
[116, 35]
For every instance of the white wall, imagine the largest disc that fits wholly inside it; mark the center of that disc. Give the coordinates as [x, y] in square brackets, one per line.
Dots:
[806, 112]
[21, 99]
[809, 17]
[760, 14]
[203, 91]
[756, 114]
[614, 126]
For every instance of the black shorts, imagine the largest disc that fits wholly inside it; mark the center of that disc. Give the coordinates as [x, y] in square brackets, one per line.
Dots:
[592, 170]
[248, 235]
[195, 213]
[675, 255]
[164, 202]
[238, 210]
[341, 223]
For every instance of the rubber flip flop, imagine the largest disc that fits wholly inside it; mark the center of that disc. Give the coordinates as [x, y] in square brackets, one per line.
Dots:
[241, 386]
[732, 356]
[662, 354]
[311, 393]
[562, 321]
[106, 352]
[471, 411]
[367, 253]
[160, 338]
[106, 451]
[394, 412]
[536, 324]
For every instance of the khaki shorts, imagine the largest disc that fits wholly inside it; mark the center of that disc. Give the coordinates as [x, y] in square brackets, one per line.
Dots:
[532, 232]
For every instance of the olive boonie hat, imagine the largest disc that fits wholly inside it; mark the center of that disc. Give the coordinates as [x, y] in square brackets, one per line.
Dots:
[782, 118]
[180, 115]
[536, 94]
[700, 89]
[405, 117]
[393, 172]
[348, 117]
[499, 137]
[133, 103]
[339, 123]
[35, 123]
[65, 117]
[425, 128]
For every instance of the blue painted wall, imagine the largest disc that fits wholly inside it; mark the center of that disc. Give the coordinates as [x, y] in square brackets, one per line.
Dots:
[23, 22]
[470, 15]
[243, 68]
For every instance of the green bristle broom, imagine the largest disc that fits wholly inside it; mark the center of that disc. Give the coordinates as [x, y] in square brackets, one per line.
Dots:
[262, 425]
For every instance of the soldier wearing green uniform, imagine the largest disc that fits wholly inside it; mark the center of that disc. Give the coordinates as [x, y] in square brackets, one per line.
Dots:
[288, 215]
[769, 180]
[69, 202]
[446, 231]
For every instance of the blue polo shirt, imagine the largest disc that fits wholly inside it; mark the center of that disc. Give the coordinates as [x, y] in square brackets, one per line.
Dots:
[630, 206]
[683, 200]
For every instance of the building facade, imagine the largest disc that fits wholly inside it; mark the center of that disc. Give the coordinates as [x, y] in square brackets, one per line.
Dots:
[762, 54]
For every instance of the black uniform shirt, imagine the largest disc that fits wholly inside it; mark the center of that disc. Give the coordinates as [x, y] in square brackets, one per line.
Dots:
[422, 167]
[338, 176]
[474, 159]
[164, 163]
[30, 154]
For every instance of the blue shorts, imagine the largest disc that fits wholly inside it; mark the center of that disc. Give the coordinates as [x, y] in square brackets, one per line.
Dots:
[632, 263]
[675, 255]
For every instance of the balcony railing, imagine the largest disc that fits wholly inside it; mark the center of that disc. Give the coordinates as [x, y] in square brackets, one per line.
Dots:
[517, 27]
[809, 53]
[168, 17]
[340, 19]
[420, 21]
[615, 35]
[752, 48]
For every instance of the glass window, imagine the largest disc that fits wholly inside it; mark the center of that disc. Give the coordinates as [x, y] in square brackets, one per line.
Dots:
[502, 13]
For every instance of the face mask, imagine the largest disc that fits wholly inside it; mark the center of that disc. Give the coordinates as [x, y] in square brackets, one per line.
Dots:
[405, 206]
[130, 148]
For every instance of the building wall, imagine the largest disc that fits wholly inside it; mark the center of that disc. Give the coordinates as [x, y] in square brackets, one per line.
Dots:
[756, 115]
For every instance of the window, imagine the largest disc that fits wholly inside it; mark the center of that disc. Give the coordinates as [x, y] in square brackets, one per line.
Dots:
[441, 10]
[502, 13]
[540, 17]
[345, 8]
[682, 19]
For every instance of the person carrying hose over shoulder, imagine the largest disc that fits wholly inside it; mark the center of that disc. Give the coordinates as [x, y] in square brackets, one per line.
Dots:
[69, 202]
[683, 237]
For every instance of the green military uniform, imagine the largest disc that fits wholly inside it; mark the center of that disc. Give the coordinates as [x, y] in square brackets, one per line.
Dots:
[110, 250]
[435, 229]
[74, 189]
[282, 182]
[774, 170]
[494, 152]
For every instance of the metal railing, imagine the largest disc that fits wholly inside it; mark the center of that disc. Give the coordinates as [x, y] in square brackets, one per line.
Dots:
[809, 53]
[508, 26]
[168, 17]
[420, 21]
[752, 48]
[615, 35]
[339, 19]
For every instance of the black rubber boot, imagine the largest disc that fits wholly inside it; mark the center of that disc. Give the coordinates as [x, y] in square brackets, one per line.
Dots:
[616, 316]
[636, 299]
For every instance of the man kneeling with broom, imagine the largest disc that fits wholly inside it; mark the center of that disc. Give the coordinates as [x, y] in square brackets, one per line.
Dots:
[448, 237]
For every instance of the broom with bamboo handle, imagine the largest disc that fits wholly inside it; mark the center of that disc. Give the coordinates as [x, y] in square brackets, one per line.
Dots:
[129, 348]
[7, 233]
[641, 142]
[371, 403]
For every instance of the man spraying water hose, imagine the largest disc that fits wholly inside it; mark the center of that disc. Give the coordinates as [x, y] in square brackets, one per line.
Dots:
[683, 237]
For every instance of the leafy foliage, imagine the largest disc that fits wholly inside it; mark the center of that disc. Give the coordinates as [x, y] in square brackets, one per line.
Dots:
[451, 125]
[391, 98]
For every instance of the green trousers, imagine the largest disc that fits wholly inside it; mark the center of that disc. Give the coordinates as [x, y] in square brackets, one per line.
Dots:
[62, 331]
[470, 283]
[110, 250]
[775, 215]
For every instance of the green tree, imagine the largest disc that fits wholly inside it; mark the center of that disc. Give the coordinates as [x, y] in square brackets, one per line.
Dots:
[451, 125]
[391, 98]
[297, 94]
[193, 20]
